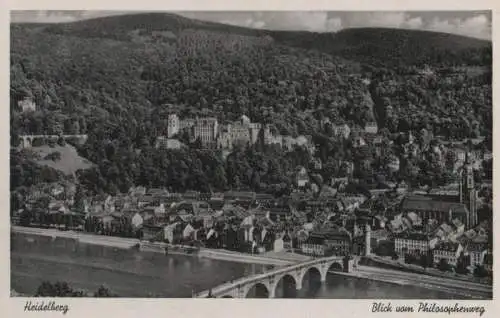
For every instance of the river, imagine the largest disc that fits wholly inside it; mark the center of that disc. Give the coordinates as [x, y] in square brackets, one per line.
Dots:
[131, 273]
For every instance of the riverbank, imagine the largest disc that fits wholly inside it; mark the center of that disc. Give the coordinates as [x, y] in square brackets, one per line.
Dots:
[401, 278]
[376, 261]
[156, 247]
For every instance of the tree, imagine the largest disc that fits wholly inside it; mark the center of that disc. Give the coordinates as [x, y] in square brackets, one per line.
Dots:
[443, 265]
[480, 271]
[103, 292]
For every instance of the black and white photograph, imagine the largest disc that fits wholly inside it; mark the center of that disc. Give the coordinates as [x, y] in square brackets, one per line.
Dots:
[251, 154]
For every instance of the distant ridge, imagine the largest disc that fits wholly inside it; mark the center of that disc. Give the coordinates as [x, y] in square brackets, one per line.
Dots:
[379, 46]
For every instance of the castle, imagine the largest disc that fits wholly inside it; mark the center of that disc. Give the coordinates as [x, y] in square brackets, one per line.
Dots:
[226, 136]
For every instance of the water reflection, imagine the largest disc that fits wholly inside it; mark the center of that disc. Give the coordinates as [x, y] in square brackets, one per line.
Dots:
[130, 273]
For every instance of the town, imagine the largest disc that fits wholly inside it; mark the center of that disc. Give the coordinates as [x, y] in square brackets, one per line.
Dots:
[448, 227]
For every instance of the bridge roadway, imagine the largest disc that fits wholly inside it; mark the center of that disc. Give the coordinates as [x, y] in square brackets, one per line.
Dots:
[269, 280]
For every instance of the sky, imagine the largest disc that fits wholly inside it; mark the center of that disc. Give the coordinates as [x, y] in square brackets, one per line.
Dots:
[469, 23]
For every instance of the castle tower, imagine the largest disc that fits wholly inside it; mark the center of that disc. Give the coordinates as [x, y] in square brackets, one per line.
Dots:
[468, 194]
[173, 125]
[368, 238]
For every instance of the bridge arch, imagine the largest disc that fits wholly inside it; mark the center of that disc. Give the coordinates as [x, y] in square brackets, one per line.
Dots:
[258, 290]
[335, 266]
[314, 273]
[285, 286]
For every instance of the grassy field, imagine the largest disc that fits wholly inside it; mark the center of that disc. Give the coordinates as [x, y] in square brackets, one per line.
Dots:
[69, 162]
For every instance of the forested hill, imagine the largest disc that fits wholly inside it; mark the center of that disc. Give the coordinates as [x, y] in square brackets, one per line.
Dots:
[117, 78]
[376, 46]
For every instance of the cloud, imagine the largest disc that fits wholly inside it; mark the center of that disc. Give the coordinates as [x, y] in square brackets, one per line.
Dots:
[478, 26]
[56, 16]
[308, 21]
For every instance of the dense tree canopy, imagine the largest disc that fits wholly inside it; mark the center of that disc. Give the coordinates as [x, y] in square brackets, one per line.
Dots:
[117, 81]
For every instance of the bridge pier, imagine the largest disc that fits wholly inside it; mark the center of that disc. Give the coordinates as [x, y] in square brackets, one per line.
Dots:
[323, 270]
[298, 283]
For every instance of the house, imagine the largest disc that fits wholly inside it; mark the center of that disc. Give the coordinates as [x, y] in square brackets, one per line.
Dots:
[137, 191]
[173, 233]
[239, 195]
[393, 164]
[280, 213]
[342, 130]
[188, 232]
[450, 252]
[287, 242]
[411, 243]
[314, 245]
[476, 252]
[191, 196]
[168, 143]
[443, 232]
[264, 199]
[414, 219]
[26, 105]
[371, 128]
[337, 241]
[301, 177]
[151, 232]
[247, 226]
[156, 192]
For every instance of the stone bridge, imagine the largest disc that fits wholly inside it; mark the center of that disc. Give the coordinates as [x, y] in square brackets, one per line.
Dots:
[291, 277]
[26, 141]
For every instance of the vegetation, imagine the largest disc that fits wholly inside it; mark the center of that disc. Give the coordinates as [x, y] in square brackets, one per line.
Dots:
[62, 289]
[97, 77]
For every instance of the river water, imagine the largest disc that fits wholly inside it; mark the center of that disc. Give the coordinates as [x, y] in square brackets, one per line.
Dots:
[130, 273]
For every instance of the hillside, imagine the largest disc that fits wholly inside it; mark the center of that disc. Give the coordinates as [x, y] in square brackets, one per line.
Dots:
[394, 47]
[117, 78]
[380, 46]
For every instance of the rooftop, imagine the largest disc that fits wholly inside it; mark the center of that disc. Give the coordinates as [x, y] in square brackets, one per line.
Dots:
[422, 203]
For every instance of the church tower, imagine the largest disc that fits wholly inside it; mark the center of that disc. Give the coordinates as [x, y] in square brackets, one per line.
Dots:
[468, 194]
[368, 236]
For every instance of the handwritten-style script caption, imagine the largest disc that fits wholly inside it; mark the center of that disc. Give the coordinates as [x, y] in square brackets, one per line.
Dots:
[46, 306]
[426, 307]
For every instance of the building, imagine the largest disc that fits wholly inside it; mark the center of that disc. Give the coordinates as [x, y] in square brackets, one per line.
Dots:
[187, 123]
[241, 132]
[27, 105]
[468, 193]
[476, 253]
[313, 245]
[206, 130]
[341, 130]
[393, 164]
[450, 252]
[368, 239]
[429, 209]
[327, 242]
[168, 143]
[301, 177]
[371, 128]
[411, 243]
[271, 138]
[173, 125]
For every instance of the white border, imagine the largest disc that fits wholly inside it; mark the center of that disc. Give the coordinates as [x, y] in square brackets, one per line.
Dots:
[204, 308]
